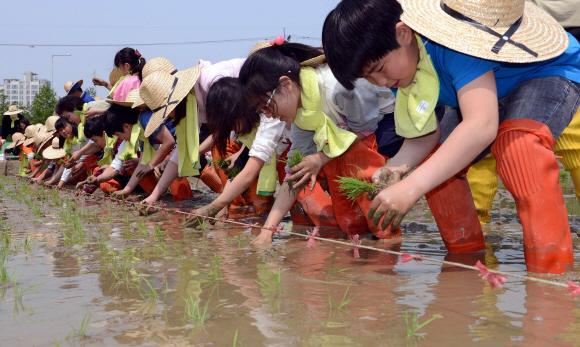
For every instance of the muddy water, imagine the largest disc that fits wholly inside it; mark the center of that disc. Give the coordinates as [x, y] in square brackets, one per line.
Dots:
[130, 278]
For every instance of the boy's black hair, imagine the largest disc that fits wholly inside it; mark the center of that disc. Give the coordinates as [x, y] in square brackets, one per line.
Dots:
[358, 33]
[94, 127]
[69, 103]
[115, 116]
[130, 56]
[261, 72]
[228, 110]
[62, 122]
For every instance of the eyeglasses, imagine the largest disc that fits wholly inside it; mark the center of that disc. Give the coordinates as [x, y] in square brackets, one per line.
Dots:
[265, 108]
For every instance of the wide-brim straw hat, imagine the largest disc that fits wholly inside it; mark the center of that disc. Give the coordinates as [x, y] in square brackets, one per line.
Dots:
[39, 137]
[45, 138]
[162, 92]
[16, 139]
[541, 36]
[68, 86]
[158, 64]
[54, 151]
[130, 99]
[138, 103]
[114, 76]
[50, 122]
[314, 62]
[29, 133]
[12, 110]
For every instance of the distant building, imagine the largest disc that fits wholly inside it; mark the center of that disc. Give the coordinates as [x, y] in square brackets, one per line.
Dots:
[22, 91]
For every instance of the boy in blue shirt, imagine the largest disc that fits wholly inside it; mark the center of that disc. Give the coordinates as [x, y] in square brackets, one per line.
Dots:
[510, 75]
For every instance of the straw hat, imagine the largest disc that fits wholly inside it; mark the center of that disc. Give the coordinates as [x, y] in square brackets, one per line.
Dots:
[39, 137]
[68, 86]
[130, 99]
[50, 122]
[12, 110]
[54, 151]
[138, 103]
[39, 125]
[29, 133]
[114, 76]
[158, 64]
[17, 138]
[162, 92]
[539, 37]
[314, 62]
[97, 98]
[44, 138]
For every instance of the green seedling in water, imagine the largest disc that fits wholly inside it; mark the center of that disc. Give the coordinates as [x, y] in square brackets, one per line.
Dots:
[55, 200]
[36, 210]
[215, 271]
[353, 188]
[142, 228]
[160, 234]
[81, 332]
[412, 330]
[272, 286]
[343, 304]
[202, 224]
[4, 255]
[6, 227]
[127, 221]
[148, 293]
[335, 271]
[19, 293]
[194, 312]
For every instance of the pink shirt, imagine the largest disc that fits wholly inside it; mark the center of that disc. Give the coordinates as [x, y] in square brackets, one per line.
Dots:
[208, 75]
[126, 85]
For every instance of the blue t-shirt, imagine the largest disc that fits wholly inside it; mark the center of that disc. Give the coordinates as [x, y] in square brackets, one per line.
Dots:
[86, 97]
[456, 69]
[144, 119]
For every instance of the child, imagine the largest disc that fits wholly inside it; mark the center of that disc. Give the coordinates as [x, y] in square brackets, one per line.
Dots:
[515, 91]
[76, 90]
[130, 63]
[334, 127]
[128, 124]
[11, 123]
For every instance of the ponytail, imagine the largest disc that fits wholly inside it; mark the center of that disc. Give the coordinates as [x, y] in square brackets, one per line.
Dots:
[261, 72]
[132, 57]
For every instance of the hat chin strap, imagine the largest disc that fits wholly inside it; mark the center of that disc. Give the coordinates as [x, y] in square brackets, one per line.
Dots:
[502, 38]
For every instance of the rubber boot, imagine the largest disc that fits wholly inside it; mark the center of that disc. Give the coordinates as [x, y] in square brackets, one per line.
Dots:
[180, 189]
[483, 181]
[317, 207]
[529, 170]
[568, 147]
[211, 179]
[452, 206]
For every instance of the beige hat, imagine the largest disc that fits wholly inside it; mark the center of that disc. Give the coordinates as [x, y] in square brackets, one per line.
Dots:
[39, 137]
[29, 133]
[314, 62]
[138, 103]
[114, 76]
[50, 122]
[158, 64]
[513, 31]
[68, 86]
[12, 110]
[162, 92]
[97, 98]
[54, 151]
[130, 99]
[44, 138]
[17, 138]
[39, 125]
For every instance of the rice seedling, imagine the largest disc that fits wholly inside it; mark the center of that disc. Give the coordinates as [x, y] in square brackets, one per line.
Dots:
[5, 230]
[27, 244]
[19, 292]
[81, 332]
[222, 163]
[127, 221]
[332, 270]
[353, 188]
[242, 242]
[109, 218]
[343, 304]
[272, 286]
[149, 293]
[55, 200]
[142, 228]
[194, 312]
[294, 159]
[127, 156]
[234, 172]
[214, 272]
[412, 330]
[160, 234]
[5, 277]
[36, 210]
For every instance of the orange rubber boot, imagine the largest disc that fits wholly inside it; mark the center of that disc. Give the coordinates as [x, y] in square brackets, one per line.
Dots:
[528, 168]
[181, 190]
[452, 206]
[313, 207]
[211, 179]
[110, 187]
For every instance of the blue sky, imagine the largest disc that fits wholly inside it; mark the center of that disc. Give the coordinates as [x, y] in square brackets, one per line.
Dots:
[123, 22]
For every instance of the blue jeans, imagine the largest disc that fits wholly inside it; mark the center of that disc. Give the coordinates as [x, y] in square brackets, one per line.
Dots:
[552, 101]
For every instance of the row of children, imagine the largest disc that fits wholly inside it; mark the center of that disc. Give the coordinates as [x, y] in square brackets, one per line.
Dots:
[426, 84]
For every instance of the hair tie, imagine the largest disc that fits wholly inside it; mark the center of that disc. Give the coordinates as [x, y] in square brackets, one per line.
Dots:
[279, 40]
[138, 54]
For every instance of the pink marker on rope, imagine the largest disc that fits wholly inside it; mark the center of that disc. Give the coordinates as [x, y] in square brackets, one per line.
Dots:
[355, 241]
[312, 242]
[573, 288]
[276, 230]
[495, 280]
[406, 257]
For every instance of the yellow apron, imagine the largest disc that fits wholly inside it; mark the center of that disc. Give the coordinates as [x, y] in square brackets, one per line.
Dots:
[187, 133]
[108, 151]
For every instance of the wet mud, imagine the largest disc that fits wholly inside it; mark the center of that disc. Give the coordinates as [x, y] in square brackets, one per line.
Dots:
[90, 272]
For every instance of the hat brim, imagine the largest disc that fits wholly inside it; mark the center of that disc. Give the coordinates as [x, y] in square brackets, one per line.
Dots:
[13, 144]
[79, 82]
[45, 140]
[314, 62]
[53, 153]
[114, 76]
[10, 113]
[538, 31]
[28, 142]
[120, 103]
[186, 81]
[139, 103]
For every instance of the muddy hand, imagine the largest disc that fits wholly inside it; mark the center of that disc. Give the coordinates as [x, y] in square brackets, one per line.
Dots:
[207, 210]
[393, 203]
[386, 177]
[158, 171]
[264, 237]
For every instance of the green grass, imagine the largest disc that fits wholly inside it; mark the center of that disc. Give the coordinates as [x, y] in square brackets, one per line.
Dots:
[73, 231]
[194, 312]
[149, 293]
[412, 329]
[19, 292]
[353, 188]
[214, 273]
[36, 210]
[272, 286]
[346, 300]
[55, 200]
[142, 228]
[5, 277]
[80, 332]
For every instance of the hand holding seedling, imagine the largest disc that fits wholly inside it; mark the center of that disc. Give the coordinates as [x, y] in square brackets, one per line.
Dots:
[387, 176]
[306, 170]
[90, 182]
[99, 82]
[120, 194]
[130, 164]
[144, 170]
[210, 210]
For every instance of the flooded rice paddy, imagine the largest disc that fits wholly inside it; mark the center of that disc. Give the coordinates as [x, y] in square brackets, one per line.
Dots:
[88, 272]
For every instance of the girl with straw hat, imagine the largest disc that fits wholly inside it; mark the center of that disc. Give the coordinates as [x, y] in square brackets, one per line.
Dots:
[54, 154]
[41, 140]
[332, 126]
[130, 64]
[510, 75]
[11, 122]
